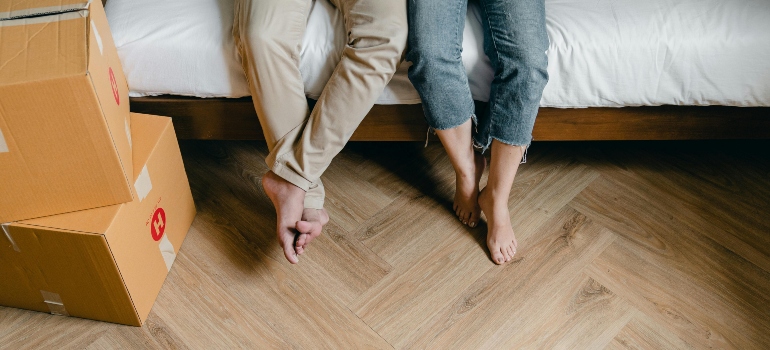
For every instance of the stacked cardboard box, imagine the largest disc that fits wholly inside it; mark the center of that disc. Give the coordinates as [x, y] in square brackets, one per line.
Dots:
[94, 200]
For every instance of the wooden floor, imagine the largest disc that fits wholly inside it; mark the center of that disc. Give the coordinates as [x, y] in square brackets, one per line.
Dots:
[656, 245]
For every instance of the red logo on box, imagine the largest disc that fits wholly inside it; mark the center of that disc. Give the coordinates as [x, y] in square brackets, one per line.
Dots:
[158, 224]
[115, 92]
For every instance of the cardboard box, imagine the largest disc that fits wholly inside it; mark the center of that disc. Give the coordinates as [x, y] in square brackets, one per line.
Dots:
[65, 140]
[107, 263]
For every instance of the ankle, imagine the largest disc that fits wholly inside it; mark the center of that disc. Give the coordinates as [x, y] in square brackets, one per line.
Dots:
[466, 174]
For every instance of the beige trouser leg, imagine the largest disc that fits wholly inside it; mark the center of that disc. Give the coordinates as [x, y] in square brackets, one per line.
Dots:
[269, 34]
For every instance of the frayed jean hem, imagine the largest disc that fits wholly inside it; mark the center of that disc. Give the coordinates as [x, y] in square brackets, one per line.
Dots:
[482, 148]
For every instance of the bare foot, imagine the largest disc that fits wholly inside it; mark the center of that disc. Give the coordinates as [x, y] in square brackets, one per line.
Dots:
[466, 204]
[289, 202]
[313, 221]
[500, 237]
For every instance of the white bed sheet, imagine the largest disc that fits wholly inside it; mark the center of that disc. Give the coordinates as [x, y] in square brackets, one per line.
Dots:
[602, 52]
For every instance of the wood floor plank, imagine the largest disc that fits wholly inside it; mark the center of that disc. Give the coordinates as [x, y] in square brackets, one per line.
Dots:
[549, 186]
[587, 318]
[347, 266]
[24, 329]
[690, 310]
[204, 296]
[644, 333]
[403, 301]
[406, 168]
[124, 339]
[350, 208]
[655, 237]
[273, 290]
[407, 230]
[506, 300]
[722, 197]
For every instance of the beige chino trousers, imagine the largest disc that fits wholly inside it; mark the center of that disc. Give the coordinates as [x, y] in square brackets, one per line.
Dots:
[268, 34]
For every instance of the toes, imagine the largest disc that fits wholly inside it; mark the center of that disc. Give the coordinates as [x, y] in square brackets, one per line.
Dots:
[299, 245]
[497, 256]
[474, 218]
[505, 254]
[300, 249]
[313, 235]
[307, 227]
[287, 243]
[290, 254]
[511, 251]
[308, 230]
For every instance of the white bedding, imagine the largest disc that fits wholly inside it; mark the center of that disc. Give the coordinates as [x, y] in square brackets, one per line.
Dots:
[602, 52]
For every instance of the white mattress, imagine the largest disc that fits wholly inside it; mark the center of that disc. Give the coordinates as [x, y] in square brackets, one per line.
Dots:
[602, 52]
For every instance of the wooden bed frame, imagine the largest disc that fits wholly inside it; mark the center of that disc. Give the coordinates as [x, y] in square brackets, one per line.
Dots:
[235, 119]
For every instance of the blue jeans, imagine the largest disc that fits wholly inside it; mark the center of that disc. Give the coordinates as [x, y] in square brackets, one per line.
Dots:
[515, 40]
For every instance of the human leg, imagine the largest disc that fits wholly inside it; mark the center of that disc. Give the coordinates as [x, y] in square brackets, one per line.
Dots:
[516, 42]
[268, 34]
[493, 201]
[438, 74]
[376, 39]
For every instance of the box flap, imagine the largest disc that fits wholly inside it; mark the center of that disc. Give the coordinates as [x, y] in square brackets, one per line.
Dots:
[151, 127]
[26, 8]
[43, 48]
[93, 221]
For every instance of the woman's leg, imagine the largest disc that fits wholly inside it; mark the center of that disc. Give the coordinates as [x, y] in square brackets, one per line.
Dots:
[493, 200]
[516, 43]
[469, 166]
[438, 74]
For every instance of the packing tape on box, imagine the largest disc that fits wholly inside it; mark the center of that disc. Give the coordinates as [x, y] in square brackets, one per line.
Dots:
[3, 145]
[143, 185]
[98, 38]
[20, 20]
[167, 250]
[128, 134]
[54, 302]
[44, 10]
[8, 235]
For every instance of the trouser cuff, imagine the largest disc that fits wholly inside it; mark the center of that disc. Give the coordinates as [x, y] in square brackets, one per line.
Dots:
[312, 202]
[289, 175]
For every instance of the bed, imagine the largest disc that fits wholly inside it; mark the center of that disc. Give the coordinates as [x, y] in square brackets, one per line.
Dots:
[619, 69]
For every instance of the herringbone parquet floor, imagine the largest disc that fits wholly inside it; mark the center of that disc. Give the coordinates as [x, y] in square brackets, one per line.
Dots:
[655, 245]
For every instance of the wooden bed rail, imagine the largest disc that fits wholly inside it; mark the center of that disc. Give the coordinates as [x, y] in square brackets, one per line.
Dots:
[235, 119]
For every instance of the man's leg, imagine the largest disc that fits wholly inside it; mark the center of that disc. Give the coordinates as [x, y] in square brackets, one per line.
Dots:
[377, 32]
[269, 34]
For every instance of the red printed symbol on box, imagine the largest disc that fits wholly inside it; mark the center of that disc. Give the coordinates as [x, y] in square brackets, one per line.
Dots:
[158, 224]
[115, 92]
